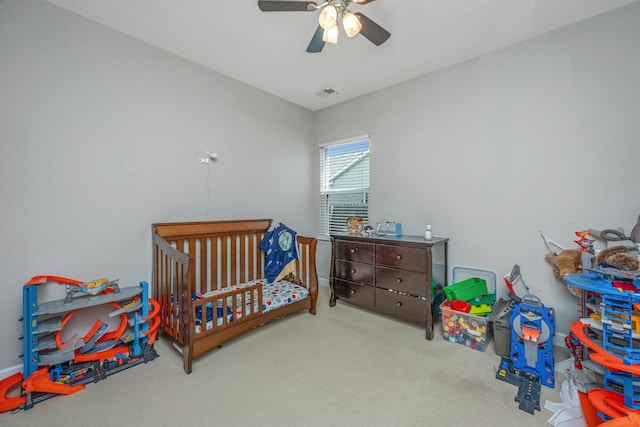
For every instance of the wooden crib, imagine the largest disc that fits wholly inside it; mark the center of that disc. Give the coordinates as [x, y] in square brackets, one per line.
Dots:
[217, 259]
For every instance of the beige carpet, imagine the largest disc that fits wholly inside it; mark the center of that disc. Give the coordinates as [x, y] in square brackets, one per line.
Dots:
[342, 367]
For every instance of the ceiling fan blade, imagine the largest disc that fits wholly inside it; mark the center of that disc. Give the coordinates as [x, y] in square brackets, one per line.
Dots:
[372, 31]
[286, 6]
[362, 1]
[316, 44]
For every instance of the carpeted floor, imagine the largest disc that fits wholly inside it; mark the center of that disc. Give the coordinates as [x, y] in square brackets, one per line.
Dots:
[342, 367]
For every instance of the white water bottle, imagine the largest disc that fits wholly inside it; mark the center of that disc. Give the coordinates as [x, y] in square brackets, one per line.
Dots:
[427, 233]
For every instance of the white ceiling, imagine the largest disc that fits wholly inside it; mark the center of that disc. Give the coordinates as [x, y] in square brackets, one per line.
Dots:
[267, 50]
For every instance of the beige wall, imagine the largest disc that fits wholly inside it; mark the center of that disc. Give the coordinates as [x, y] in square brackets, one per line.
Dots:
[101, 136]
[542, 135]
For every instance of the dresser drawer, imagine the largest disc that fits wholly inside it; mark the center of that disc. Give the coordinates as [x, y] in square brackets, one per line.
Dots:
[355, 272]
[414, 259]
[355, 251]
[401, 306]
[405, 281]
[354, 293]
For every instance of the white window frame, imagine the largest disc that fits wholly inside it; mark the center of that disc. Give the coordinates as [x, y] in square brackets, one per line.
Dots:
[359, 194]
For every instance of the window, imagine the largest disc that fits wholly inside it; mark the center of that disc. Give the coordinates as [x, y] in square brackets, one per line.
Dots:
[344, 183]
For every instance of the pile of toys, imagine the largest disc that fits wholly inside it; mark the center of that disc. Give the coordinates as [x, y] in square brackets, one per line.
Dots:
[465, 329]
[604, 273]
[466, 312]
[98, 329]
[469, 317]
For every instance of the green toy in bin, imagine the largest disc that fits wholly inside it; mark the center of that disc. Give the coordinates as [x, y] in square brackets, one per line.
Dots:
[466, 290]
[488, 299]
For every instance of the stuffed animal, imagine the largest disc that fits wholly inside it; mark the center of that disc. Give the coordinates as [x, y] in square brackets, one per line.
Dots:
[566, 262]
[618, 257]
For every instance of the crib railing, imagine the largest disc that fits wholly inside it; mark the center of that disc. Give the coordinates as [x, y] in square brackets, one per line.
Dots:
[217, 312]
[171, 288]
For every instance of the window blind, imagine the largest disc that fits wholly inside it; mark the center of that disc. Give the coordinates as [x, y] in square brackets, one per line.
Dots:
[344, 183]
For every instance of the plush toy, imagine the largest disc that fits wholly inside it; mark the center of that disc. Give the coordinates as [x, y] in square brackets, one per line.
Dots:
[618, 257]
[566, 262]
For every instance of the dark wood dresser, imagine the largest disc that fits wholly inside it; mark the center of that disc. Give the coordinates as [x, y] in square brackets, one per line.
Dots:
[389, 275]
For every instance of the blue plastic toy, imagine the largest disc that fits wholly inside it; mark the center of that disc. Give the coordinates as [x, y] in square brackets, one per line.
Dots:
[532, 327]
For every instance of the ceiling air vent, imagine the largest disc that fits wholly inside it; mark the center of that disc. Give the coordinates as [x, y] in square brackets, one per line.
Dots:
[328, 91]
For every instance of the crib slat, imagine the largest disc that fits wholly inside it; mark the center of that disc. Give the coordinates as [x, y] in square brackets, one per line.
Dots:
[251, 260]
[223, 264]
[225, 308]
[243, 258]
[262, 255]
[234, 266]
[182, 314]
[213, 256]
[202, 256]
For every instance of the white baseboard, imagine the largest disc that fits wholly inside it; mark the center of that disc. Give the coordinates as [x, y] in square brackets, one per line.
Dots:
[558, 340]
[7, 372]
[564, 366]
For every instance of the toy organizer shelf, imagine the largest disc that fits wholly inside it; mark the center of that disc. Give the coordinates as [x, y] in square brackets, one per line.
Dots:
[46, 362]
[615, 320]
[617, 328]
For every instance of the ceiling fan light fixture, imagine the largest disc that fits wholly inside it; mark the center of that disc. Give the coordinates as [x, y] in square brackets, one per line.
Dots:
[331, 35]
[328, 17]
[330, 13]
[351, 24]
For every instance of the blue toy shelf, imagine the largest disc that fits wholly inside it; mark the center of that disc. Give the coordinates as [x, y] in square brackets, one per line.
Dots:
[620, 321]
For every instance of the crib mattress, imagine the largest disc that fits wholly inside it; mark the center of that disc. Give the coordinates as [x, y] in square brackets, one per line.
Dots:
[274, 295]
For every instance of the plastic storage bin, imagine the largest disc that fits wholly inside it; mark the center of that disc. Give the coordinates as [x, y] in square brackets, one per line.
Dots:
[464, 328]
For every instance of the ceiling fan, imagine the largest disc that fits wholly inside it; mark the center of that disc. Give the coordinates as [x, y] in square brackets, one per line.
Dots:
[331, 12]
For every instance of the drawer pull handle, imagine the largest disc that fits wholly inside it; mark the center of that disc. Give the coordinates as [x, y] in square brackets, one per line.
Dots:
[399, 280]
[353, 291]
[353, 271]
[399, 304]
[398, 257]
[353, 250]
